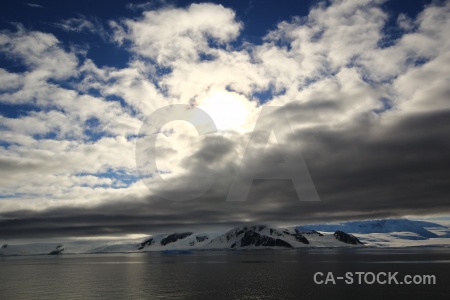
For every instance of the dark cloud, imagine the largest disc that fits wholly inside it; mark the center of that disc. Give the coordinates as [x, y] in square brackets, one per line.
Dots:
[363, 171]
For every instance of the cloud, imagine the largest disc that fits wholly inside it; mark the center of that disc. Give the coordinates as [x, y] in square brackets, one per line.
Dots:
[83, 24]
[173, 34]
[147, 5]
[34, 5]
[40, 53]
[371, 120]
[9, 81]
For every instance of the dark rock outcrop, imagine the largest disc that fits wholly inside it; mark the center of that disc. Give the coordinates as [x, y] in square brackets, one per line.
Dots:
[58, 250]
[276, 232]
[235, 233]
[299, 237]
[174, 237]
[310, 232]
[347, 238]
[253, 238]
[316, 232]
[146, 243]
[201, 238]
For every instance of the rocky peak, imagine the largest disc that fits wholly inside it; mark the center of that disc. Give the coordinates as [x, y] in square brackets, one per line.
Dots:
[347, 238]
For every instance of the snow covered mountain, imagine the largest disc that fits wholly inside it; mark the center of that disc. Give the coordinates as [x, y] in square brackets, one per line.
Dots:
[377, 233]
[32, 249]
[392, 232]
[253, 237]
[381, 226]
[248, 237]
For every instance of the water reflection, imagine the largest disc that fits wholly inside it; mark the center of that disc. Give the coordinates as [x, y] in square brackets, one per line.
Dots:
[219, 275]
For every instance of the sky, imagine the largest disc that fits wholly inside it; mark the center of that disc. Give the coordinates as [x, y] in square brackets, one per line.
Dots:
[353, 97]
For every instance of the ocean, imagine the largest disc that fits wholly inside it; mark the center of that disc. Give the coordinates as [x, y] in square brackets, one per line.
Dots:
[254, 274]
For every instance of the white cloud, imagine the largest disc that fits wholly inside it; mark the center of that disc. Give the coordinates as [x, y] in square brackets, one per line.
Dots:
[146, 5]
[34, 5]
[171, 34]
[328, 39]
[9, 81]
[405, 22]
[83, 24]
[41, 52]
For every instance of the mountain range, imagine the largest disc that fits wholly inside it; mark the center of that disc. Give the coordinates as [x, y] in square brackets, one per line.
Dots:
[372, 233]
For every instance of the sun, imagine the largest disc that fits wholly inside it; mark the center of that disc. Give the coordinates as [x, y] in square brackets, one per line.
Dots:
[228, 110]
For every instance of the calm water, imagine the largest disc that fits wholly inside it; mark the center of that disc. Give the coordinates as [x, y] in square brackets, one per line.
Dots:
[264, 274]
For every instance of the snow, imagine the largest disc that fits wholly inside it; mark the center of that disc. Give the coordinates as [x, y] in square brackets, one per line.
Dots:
[374, 233]
[380, 226]
[395, 232]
